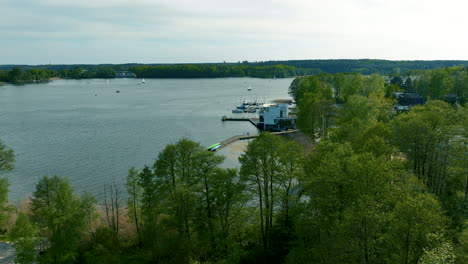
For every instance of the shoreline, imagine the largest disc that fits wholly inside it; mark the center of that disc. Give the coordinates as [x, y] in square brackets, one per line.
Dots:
[31, 81]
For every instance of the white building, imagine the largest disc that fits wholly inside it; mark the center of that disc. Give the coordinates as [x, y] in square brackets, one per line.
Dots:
[275, 116]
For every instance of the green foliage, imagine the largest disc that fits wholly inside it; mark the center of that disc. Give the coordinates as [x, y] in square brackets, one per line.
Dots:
[416, 218]
[443, 254]
[362, 208]
[315, 103]
[259, 168]
[135, 191]
[358, 115]
[7, 159]
[367, 66]
[185, 207]
[61, 217]
[379, 187]
[270, 167]
[4, 208]
[426, 135]
[19, 76]
[449, 84]
[461, 245]
[215, 71]
[88, 73]
[25, 237]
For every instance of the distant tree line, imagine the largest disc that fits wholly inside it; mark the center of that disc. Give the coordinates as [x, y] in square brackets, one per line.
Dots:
[217, 71]
[88, 73]
[18, 76]
[367, 66]
[268, 69]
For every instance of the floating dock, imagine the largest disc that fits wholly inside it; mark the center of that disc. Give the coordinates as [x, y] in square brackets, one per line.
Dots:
[230, 140]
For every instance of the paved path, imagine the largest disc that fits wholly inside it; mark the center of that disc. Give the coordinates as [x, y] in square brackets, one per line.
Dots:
[7, 253]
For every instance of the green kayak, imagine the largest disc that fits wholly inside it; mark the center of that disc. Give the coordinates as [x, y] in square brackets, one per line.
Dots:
[212, 146]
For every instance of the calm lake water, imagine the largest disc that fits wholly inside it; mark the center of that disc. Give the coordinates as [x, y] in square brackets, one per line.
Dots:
[84, 130]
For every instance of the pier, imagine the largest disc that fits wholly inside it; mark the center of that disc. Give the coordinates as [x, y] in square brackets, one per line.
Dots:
[254, 121]
[230, 140]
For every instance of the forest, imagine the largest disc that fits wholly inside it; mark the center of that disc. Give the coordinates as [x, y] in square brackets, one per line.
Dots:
[368, 66]
[218, 71]
[264, 69]
[377, 186]
[18, 75]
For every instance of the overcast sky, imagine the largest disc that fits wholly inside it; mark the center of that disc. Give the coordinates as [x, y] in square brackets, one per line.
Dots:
[176, 31]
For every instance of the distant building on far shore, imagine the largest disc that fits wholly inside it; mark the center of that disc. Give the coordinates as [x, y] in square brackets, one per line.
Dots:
[125, 74]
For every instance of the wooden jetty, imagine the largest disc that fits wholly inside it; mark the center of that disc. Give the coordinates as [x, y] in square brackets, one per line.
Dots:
[230, 140]
[253, 121]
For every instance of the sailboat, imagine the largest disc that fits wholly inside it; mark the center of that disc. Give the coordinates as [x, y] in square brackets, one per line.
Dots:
[143, 80]
[249, 88]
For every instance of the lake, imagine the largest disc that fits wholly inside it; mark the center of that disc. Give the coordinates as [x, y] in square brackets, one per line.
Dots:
[84, 130]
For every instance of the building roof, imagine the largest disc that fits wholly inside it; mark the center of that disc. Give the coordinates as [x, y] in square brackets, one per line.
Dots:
[282, 101]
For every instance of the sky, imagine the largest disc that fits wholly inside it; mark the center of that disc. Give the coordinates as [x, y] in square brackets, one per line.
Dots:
[189, 31]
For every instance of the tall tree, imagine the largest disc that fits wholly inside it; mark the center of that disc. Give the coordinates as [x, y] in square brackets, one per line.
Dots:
[259, 168]
[205, 218]
[359, 114]
[291, 166]
[134, 191]
[355, 210]
[25, 238]
[181, 176]
[60, 216]
[426, 135]
[7, 159]
[315, 103]
[229, 201]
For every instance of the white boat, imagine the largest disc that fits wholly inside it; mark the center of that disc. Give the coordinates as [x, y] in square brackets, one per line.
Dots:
[143, 80]
[250, 109]
[249, 88]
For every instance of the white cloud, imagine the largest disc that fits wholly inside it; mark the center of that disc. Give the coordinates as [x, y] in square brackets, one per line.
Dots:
[118, 31]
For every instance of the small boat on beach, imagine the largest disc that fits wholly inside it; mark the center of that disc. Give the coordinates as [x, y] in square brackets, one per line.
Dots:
[215, 148]
[212, 146]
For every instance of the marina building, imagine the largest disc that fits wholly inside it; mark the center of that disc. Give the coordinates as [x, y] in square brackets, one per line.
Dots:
[276, 116]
